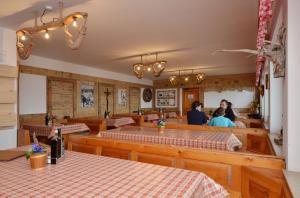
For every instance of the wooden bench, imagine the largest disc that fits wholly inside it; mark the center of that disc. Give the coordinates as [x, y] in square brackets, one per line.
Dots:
[226, 168]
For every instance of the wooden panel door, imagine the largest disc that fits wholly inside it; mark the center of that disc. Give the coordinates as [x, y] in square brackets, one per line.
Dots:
[189, 96]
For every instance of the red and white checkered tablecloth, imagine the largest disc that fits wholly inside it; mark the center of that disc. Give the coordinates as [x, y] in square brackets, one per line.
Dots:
[151, 117]
[85, 175]
[194, 139]
[118, 122]
[49, 131]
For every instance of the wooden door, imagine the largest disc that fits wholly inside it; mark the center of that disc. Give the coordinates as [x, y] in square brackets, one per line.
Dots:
[189, 96]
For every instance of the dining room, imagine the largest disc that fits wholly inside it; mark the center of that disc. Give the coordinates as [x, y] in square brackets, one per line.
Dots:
[147, 98]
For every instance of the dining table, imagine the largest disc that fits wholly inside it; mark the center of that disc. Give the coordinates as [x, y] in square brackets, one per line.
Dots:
[87, 175]
[49, 131]
[118, 122]
[177, 137]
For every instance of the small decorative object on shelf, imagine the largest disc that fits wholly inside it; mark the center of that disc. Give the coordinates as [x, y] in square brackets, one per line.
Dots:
[161, 124]
[37, 155]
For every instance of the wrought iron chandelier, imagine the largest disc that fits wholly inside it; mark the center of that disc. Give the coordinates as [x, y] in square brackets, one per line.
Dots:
[77, 20]
[185, 76]
[156, 67]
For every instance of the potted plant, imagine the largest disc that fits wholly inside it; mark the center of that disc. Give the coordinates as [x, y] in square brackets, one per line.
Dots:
[161, 124]
[37, 155]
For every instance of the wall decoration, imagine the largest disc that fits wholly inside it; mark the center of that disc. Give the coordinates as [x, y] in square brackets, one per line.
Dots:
[87, 96]
[166, 98]
[147, 95]
[122, 97]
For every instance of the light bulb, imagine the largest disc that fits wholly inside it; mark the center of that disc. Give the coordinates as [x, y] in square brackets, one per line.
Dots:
[186, 78]
[23, 37]
[159, 65]
[74, 23]
[149, 69]
[47, 35]
[138, 68]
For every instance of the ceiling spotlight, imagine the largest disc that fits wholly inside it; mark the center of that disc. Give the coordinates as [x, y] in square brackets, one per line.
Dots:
[74, 23]
[149, 69]
[23, 37]
[186, 78]
[47, 35]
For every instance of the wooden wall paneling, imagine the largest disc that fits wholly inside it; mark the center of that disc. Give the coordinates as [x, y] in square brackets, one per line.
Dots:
[73, 76]
[8, 92]
[134, 99]
[215, 83]
[60, 97]
[115, 84]
[8, 71]
[8, 96]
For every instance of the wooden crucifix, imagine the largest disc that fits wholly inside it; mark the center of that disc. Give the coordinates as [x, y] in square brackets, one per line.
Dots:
[107, 93]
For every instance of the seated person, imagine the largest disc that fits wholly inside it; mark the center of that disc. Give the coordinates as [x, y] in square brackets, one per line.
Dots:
[226, 105]
[196, 116]
[219, 120]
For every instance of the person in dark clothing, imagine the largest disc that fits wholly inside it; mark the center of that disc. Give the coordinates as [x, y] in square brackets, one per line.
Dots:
[196, 116]
[228, 110]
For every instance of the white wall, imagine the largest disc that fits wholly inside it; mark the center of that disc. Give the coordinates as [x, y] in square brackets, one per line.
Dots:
[8, 56]
[32, 94]
[239, 99]
[57, 65]
[145, 105]
[292, 90]
[276, 96]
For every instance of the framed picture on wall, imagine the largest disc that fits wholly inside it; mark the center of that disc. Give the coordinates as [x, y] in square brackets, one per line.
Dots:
[122, 97]
[166, 98]
[87, 96]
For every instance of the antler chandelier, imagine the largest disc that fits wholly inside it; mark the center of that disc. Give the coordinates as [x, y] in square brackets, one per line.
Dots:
[77, 19]
[156, 67]
[186, 76]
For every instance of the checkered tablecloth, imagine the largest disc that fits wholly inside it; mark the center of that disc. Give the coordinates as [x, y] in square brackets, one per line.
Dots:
[49, 131]
[150, 117]
[85, 175]
[118, 122]
[194, 139]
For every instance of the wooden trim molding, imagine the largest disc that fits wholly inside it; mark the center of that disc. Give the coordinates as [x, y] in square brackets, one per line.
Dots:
[215, 83]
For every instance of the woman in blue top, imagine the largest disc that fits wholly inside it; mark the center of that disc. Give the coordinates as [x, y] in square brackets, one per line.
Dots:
[219, 120]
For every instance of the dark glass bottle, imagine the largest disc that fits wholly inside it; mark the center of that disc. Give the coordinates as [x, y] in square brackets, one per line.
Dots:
[47, 119]
[54, 150]
[59, 141]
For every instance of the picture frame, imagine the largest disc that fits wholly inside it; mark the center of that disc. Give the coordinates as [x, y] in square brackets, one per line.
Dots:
[166, 98]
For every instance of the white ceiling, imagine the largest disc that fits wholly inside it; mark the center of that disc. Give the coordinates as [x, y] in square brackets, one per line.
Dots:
[188, 31]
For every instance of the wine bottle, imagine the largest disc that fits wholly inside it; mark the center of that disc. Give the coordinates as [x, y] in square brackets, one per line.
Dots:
[59, 140]
[54, 150]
